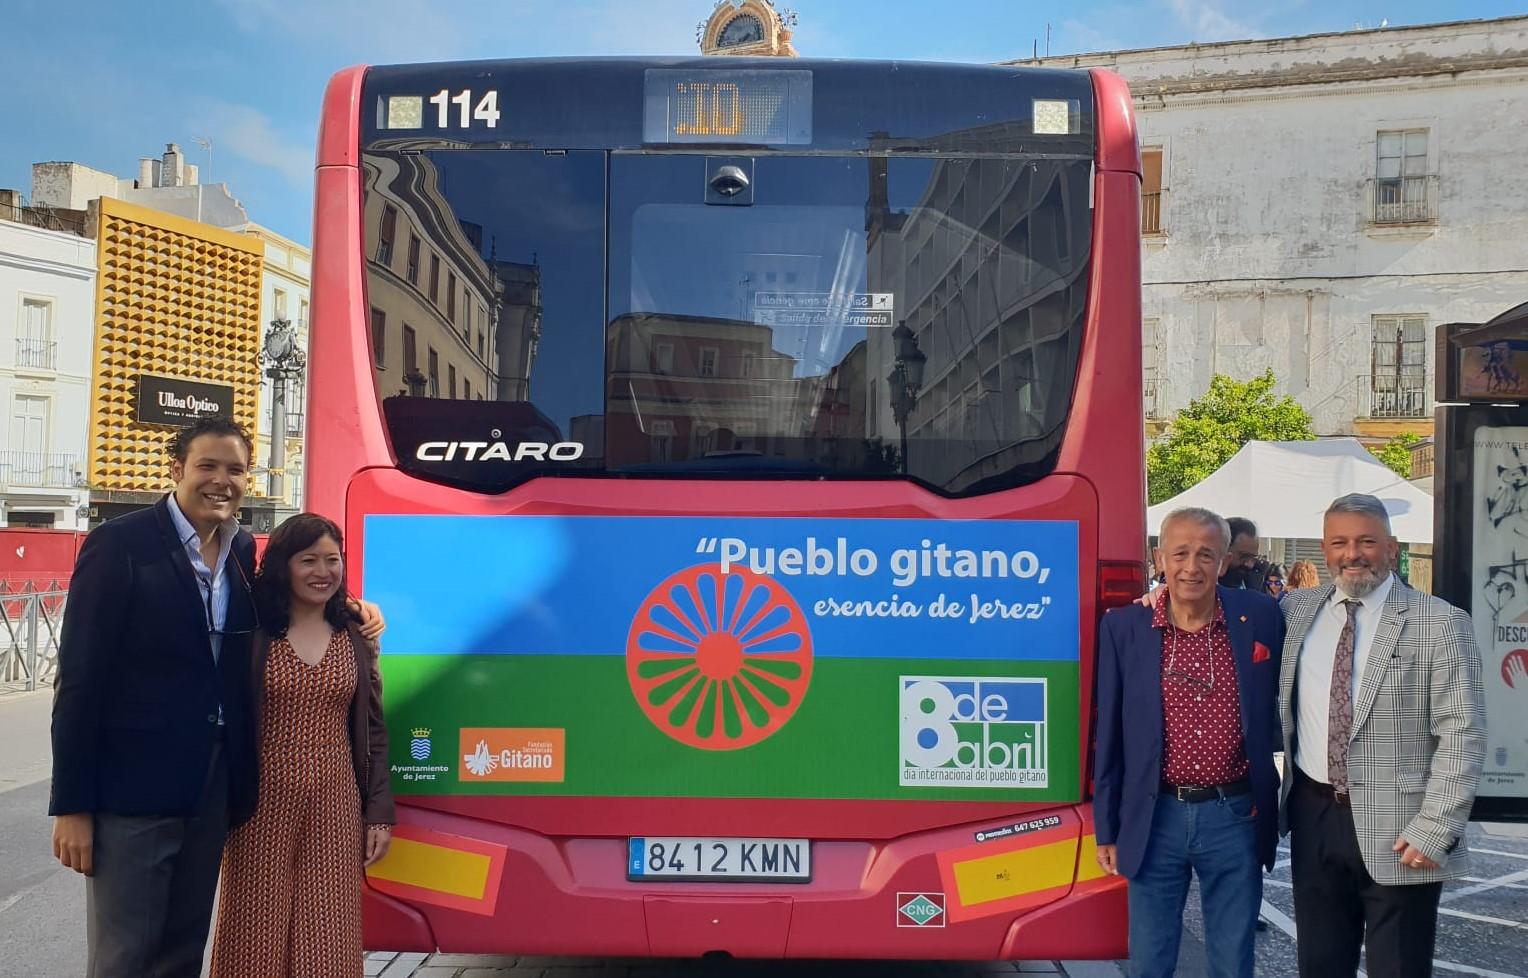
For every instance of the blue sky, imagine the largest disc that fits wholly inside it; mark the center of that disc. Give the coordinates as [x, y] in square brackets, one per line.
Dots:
[104, 82]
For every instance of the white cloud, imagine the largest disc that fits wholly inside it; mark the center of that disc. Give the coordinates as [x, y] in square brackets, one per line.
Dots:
[248, 134]
[1206, 21]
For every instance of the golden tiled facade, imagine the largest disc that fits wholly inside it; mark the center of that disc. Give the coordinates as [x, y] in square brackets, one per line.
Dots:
[174, 298]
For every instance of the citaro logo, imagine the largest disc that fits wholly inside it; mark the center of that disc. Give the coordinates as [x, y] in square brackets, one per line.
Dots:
[717, 660]
[512, 754]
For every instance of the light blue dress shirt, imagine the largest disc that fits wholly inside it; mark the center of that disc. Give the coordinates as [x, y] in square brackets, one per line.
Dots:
[212, 583]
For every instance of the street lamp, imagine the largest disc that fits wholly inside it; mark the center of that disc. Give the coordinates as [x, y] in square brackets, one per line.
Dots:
[905, 379]
[283, 361]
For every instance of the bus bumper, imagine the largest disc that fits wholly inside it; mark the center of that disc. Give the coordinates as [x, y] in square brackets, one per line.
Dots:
[469, 886]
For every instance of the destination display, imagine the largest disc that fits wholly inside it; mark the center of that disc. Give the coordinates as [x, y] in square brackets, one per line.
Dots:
[768, 108]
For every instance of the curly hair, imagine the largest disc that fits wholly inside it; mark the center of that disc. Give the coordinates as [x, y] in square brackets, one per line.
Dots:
[273, 581]
[1302, 574]
[179, 444]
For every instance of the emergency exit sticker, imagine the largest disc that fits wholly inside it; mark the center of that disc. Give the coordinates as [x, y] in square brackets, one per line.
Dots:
[871, 309]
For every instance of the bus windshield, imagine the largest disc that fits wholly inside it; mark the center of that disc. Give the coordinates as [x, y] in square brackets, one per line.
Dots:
[681, 314]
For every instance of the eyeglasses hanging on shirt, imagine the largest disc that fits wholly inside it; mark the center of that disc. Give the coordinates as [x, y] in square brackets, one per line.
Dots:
[204, 588]
[1200, 687]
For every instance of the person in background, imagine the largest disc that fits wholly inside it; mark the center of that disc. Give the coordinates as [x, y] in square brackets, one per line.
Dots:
[1244, 565]
[1302, 574]
[1274, 582]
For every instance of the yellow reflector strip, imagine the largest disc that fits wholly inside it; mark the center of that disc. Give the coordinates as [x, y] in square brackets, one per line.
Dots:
[430, 867]
[1015, 873]
[1087, 860]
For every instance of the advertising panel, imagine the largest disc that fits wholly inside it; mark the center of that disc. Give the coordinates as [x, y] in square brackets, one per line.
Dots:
[729, 656]
[169, 401]
[1499, 584]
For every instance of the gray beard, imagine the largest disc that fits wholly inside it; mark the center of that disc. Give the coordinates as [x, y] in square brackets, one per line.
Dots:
[1364, 588]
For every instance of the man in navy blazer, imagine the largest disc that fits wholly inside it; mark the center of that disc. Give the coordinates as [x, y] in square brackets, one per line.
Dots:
[153, 743]
[1184, 779]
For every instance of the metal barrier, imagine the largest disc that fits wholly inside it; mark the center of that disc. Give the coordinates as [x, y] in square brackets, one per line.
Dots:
[30, 626]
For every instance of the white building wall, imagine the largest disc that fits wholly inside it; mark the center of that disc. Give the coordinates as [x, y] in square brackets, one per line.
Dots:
[1269, 256]
[51, 371]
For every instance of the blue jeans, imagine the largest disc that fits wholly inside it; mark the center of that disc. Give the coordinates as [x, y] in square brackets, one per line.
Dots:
[1217, 841]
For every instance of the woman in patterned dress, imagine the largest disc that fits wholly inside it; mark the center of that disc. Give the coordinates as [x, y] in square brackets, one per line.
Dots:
[290, 905]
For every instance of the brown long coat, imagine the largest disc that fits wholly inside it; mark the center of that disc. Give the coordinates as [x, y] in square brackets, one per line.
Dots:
[368, 732]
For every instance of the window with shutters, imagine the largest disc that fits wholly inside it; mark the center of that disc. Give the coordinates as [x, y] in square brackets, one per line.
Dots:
[1151, 190]
[379, 338]
[1404, 190]
[385, 237]
[1397, 384]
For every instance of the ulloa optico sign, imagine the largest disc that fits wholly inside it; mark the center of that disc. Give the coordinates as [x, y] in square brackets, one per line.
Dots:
[169, 401]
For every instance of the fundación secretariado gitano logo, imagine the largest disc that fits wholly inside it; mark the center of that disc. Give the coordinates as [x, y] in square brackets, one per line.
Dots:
[512, 754]
[973, 732]
[717, 660]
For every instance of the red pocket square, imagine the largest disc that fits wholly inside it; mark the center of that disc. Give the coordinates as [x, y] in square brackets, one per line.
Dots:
[1260, 652]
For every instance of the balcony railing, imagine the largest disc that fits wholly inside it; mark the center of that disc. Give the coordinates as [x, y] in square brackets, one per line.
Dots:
[1387, 396]
[1149, 388]
[1403, 200]
[38, 469]
[37, 354]
[1151, 213]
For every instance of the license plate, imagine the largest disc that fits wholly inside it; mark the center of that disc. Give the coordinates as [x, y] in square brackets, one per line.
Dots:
[738, 860]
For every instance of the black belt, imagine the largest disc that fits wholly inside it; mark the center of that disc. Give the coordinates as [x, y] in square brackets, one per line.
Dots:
[1305, 781]
[1184, 792]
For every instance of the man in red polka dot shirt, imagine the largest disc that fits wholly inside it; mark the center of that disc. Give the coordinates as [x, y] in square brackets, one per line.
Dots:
[1184, 779]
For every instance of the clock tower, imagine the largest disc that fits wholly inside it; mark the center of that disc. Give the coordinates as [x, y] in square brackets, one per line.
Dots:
[747, 27]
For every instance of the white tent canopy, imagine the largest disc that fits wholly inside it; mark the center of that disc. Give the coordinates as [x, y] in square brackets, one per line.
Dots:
[1285, 487]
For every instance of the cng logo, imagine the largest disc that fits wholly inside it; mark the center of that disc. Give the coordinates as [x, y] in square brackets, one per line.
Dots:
[920, 909]
[973, 732]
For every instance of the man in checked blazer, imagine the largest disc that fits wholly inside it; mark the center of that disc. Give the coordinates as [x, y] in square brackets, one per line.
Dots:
[1384, 736]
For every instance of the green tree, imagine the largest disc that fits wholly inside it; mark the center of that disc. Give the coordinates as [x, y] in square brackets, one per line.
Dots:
[1214, 427]
[1396, 453]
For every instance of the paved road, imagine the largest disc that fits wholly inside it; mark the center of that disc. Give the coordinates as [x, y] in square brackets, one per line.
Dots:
[1483, 932]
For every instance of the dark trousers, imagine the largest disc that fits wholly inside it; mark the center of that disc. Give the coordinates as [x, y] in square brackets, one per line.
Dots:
[1338, 906]
[149, 903]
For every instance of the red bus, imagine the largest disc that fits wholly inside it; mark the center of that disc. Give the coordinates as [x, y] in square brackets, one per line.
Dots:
[743, 452]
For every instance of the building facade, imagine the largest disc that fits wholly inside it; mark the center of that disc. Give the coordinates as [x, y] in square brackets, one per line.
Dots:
[285, 296]
[177, 335]
[447, 320]
[1317, 205]
[47, 304]
[747, 28]
[191, 224]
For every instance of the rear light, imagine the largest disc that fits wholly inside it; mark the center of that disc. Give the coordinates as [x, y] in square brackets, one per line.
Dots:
[1119, 583]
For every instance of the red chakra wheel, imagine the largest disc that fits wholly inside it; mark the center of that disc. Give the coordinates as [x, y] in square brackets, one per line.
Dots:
[719, 661]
